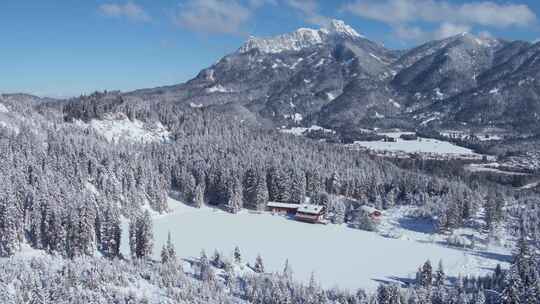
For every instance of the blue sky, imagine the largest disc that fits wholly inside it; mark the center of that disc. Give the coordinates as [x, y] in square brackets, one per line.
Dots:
[66, 47]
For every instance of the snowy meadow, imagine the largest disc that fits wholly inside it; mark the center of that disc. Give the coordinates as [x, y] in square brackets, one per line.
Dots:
[336, 254]
[420, 145]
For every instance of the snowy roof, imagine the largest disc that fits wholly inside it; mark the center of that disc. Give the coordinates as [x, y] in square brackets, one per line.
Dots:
[310, 209]
[282, 205]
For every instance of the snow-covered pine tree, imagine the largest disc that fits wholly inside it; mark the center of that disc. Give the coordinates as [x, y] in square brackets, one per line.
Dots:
[426, 278]
[206, 273]
[279, 185]
[298, 187]
[198, 197]
[237, 255]
[494, 205]
[111, 232]
[440, 276]
[217, 260]
[313, 183]
[287, 270]
[235, 201]
[513, 287]
[81, 229]
[339, 211]
[35, 236]
[261, 193]
[9, 232]
[313, 285]
[53, 231]
[249, 186]
[141, 239]
[168, 253]
[259, 266]
[333, 185]
[479, 297]
[388, 294]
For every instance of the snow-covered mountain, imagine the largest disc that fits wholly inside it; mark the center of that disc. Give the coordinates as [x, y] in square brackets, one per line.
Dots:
[337, 78]
[300, 39]
[285, 80]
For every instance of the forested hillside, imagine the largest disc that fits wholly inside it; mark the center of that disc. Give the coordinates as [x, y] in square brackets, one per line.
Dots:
[65, 189]
[63, 175]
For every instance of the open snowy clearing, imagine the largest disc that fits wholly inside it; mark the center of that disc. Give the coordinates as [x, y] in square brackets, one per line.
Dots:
[118, 127]
[421, 145]
[298, 131]
[491, 167]
[338, 255]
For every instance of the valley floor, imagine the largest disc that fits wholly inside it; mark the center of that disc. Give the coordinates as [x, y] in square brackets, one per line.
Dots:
[338, 255]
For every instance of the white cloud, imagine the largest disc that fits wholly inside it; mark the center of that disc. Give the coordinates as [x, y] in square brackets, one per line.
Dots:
[448, 29]
[413, 33]
[259, 3]
[445, 30]
[402, 15]
[485, 35]
[214, 16]
[128, 10]
[496, 15]
[309, 10]
[481, 13]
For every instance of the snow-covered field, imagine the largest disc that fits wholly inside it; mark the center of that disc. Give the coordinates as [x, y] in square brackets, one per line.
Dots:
[301, 130]
[338, 255]
[119, 127]
[422, 145]
[491, 167]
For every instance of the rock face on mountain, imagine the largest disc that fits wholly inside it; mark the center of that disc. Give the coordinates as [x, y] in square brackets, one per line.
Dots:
[287, 80]
[337, 78]
[508, 95]
[445, 68]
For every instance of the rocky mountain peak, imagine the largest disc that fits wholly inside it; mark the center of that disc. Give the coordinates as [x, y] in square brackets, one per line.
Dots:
[341, 28]
[300, 39]
[475, 40]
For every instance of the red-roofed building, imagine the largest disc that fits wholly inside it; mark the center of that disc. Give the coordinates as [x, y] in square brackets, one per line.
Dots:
[310, 213]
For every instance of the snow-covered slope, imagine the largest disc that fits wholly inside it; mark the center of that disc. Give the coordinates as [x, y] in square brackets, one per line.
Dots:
[301, 38]
[118, 127]
[420, 145]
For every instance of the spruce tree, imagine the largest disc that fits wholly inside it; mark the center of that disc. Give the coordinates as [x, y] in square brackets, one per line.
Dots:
[237, 255]
[287, 270]
[198, 197]
[513, 287]
[217, 260]
[110, 233]
[440, 276]
[298, 187]
[259, 266]
[427, 274]
[9, 238]
[168, 253]
[261, 194]
[141, 237]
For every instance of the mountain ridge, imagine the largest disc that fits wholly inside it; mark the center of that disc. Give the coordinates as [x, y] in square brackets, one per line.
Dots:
[337, 78]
